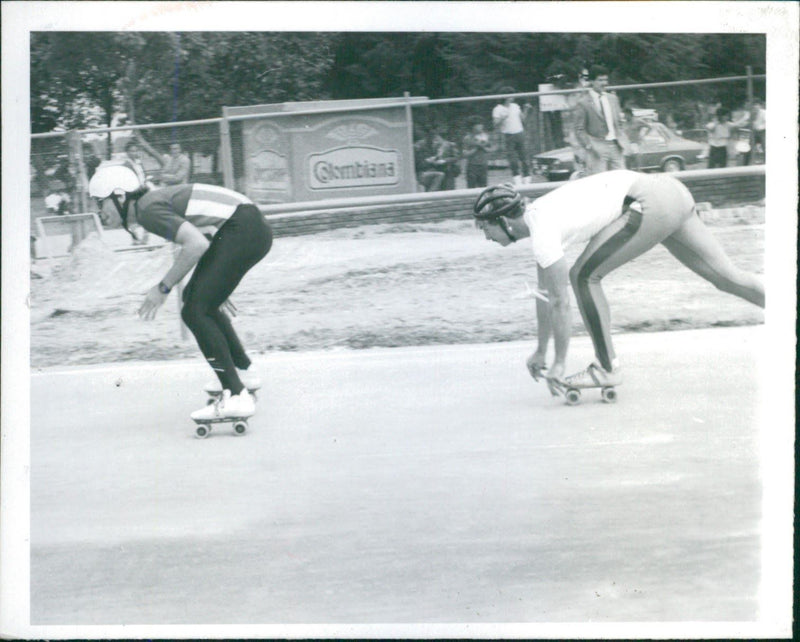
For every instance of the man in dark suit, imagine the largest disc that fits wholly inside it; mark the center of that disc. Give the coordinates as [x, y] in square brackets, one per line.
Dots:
[599, 125]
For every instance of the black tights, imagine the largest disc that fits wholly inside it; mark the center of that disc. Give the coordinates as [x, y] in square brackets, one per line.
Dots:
[236, 247]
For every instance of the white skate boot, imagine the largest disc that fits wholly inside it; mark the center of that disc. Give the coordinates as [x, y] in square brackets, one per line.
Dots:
[234, 409]
[227, 407]
[594, 376]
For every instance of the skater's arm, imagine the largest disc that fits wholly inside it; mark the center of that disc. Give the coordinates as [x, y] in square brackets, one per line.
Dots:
[544, 328]
[537, 362]
[192, 245]
[556, 282]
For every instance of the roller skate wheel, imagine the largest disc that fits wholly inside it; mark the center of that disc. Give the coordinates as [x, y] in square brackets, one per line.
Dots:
[240, 427]
[573, 396]
[202, 431]
[210, 400]
[609, 395]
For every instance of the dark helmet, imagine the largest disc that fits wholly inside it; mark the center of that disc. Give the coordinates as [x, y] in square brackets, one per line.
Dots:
[497, 201]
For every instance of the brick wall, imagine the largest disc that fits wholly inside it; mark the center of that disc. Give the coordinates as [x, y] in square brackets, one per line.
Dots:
[717, 187]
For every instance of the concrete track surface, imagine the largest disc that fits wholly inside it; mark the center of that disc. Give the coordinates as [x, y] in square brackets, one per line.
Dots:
[424, 485]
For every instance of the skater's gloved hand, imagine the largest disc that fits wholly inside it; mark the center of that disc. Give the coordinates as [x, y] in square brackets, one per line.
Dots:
[152, 302]
[536, 366]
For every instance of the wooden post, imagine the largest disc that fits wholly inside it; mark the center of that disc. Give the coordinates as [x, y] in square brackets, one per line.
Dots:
[77, 170]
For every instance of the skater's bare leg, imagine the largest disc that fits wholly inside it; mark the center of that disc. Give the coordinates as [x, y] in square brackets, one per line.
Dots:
[698, 249]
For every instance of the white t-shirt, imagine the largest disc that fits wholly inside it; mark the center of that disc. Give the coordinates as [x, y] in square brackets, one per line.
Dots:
[510, 117]
[575, 212]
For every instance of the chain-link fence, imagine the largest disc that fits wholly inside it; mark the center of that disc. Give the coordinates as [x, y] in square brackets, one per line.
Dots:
[668, 120]
[61, 164]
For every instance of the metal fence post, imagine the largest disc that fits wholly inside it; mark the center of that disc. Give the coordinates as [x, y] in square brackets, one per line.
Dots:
[226, 151]
[749, 86]
[410, 125]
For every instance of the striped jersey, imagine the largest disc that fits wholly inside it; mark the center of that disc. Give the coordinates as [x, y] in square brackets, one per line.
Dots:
[163, 211]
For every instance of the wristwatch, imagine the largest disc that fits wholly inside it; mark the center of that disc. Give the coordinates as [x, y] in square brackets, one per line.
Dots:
[163, 288]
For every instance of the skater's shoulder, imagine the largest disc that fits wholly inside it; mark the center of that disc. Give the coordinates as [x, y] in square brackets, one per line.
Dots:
[163, 194]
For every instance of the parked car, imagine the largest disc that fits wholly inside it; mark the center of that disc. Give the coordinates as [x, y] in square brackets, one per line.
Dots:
[659, 149]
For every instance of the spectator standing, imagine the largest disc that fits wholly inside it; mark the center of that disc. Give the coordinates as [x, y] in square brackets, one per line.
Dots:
[741, 138]
[509, 118]
[719, 137]
[759, 125]
[599, 125]
[633, 126]
[476, 147]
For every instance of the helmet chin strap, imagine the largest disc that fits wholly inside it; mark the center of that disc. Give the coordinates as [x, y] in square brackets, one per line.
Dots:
[122, 209]
[506, 228]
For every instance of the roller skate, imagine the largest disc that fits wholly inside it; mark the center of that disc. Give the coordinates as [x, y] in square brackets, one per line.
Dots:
[250, 380]
[592, 377]
[233, 409]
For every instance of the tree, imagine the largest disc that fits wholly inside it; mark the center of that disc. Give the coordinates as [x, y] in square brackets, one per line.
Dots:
[85, 79]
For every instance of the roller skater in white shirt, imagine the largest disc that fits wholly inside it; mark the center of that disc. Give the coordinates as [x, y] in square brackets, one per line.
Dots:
[620, 214]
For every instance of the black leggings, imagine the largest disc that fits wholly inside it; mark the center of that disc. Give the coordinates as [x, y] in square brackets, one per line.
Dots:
[241, 242]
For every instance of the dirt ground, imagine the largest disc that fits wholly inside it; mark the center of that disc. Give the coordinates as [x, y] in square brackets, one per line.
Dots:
[373, 286]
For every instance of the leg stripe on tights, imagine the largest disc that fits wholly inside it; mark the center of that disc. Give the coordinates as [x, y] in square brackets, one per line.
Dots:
[595, 261]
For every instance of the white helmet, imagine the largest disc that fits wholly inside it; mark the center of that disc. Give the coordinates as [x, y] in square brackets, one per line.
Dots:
[110, 178]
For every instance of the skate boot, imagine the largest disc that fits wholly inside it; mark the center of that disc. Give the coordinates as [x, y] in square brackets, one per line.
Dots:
[594, 376]
[234, 409]
[227, 406]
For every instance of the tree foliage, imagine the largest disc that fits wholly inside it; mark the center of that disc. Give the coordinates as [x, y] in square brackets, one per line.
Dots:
[82, 79]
